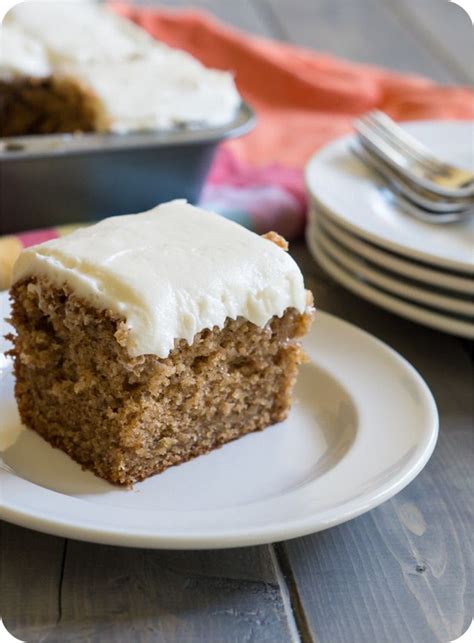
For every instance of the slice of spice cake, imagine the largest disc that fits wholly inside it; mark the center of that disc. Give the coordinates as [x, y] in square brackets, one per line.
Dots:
[148, 339]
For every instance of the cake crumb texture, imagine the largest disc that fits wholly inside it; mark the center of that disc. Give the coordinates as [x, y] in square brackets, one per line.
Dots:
[44, 106]
[126, 418]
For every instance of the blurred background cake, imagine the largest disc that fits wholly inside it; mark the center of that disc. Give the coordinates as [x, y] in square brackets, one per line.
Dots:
[99, 118]
[68, 67]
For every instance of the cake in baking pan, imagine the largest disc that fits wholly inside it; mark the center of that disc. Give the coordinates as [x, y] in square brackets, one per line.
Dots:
[79, 67]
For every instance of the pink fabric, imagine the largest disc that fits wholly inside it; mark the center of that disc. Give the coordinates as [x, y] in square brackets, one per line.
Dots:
[33, 237]
[273, 196]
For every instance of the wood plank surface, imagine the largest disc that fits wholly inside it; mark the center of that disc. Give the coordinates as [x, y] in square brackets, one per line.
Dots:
[243, 14]
[444, 29]
[117, 594]
[403, 572]
[59, 591]
[30, 578]
[365, 31]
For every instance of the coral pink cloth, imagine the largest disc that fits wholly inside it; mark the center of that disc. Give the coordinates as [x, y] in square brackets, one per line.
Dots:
[303, 99]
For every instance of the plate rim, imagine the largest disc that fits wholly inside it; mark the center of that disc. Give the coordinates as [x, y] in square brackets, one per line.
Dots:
[424, 257]
[279, 530]
[388, 282]
[362, 289]
[398, 264]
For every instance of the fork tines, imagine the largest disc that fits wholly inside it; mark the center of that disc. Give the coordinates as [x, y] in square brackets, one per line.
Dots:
[438, 191]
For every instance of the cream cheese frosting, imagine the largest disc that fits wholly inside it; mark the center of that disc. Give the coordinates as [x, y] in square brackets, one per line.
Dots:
[170, 273]
[79, 32]
[162, 90]
[21, 55]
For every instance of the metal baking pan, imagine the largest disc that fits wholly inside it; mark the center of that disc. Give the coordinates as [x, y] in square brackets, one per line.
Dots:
[48, 180]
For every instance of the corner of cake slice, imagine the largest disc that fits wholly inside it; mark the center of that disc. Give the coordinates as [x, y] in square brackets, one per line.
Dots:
[148, 339]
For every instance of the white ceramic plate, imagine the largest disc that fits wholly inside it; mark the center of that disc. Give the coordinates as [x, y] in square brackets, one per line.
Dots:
[363, 427]
[448, 281]
[438, 320]
[351, 195]
[389, 281]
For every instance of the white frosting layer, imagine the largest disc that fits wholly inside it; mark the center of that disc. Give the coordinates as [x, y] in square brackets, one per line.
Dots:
[162, 90]
[21, 55]
[170, 273]
[79, 31]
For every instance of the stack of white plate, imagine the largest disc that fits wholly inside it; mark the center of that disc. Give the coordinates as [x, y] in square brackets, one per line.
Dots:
[421, 271]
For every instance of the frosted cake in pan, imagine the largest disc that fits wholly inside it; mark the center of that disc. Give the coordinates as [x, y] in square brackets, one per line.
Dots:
[68, 67]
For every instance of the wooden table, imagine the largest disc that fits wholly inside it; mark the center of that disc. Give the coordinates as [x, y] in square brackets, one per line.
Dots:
[401, 573]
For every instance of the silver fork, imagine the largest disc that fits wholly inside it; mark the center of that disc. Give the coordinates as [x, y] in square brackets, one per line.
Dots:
[399, 194]
[419, 196]
[411, 158]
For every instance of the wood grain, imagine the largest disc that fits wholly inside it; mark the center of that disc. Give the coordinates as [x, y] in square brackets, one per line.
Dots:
[113, 594]
[30, 577]
[403, 572]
